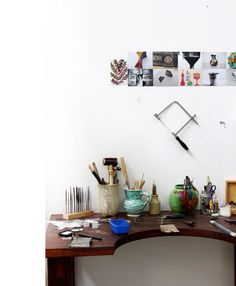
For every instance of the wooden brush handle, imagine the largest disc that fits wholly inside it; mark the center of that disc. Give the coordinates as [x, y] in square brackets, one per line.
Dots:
[95, 168]
[124, 171]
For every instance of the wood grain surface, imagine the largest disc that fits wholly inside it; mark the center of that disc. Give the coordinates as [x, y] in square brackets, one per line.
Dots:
[148, 227]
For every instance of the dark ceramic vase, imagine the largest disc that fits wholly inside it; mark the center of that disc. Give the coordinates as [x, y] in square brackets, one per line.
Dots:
[213, 61]
[212, 77]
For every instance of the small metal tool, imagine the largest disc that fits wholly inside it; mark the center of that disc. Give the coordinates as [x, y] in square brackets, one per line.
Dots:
[224, 229]
[191, 118]
[77, 203]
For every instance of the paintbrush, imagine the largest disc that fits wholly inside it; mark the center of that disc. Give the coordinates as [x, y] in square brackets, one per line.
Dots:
[141, 183]
[96, 175]
[124, 171]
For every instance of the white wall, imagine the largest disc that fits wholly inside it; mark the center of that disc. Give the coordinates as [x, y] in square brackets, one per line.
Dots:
[88, 119]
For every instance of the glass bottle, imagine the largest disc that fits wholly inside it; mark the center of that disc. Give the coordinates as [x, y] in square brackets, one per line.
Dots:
[154, 204]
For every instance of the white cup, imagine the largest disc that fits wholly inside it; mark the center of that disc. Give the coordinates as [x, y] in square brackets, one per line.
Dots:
[225, 211]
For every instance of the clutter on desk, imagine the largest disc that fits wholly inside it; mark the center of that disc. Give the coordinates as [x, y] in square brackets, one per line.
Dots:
[154, 204]
[75, 223]
[81, 229]
[209, 201]
[175, 134]
[183, 199]
[77, 203]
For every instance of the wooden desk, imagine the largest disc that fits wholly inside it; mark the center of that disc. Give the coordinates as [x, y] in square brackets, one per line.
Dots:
[60, 257]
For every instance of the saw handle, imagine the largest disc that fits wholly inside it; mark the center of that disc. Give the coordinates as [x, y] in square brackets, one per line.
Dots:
[181, 143]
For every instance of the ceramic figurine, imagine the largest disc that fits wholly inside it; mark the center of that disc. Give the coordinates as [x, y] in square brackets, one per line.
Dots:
[188, 75]
[182, 83]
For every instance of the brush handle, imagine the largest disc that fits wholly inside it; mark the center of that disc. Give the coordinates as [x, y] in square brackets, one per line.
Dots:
[181, 143]
[223, 228]
[96, 175]
[124, 171]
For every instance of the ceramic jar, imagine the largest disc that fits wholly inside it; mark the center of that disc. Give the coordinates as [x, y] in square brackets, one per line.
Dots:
[183, 199]
[134, 203]
[108, 199]
[213, 61]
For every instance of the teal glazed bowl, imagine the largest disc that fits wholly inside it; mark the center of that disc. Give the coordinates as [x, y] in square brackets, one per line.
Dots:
[120, 226]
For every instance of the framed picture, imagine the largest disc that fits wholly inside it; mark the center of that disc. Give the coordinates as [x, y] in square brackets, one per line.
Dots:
[230, 192]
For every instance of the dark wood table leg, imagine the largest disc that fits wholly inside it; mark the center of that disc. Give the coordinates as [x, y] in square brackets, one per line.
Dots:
[235, 264]
[61, 271]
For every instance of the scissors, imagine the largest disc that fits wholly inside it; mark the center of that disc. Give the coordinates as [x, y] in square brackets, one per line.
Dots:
[212, 190]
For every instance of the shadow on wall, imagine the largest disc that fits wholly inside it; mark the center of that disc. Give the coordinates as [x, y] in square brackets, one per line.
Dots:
[151, 261]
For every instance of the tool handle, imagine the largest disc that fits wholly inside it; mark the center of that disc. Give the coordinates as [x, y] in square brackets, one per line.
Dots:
[181, 143]
[223, 228]
[97, 177]
[124, 170]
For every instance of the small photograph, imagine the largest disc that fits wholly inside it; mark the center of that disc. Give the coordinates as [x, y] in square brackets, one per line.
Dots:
[230, 77]
[190, 77]
[147, 77]
[165, 77]
[189, 60]
[231, 60]
[213, 60]
[165, 60]
[213, 77]
[119, 72]
[140, 60]
[135, 77]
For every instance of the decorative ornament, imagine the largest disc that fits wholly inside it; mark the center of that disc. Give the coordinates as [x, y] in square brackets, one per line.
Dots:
[213, 61]
[141, 55]
[232, 60]
[119, 72]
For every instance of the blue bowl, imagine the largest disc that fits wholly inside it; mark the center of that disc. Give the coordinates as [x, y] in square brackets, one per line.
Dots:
[120, 226]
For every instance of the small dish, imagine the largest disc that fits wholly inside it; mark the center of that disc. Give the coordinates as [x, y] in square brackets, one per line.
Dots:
[119, 226]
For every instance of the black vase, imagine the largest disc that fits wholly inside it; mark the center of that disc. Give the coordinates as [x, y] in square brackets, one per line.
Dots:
[213, 61]
[212, 77]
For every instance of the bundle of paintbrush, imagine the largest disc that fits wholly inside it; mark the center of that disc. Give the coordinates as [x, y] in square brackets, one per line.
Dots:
[94, 170]
[77, 203]
[111, 164]
[138, 185]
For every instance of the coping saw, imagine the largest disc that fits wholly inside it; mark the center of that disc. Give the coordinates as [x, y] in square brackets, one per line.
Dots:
[175, 134]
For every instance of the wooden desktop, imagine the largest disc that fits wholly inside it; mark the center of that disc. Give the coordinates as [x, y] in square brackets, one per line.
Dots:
[60, 257]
